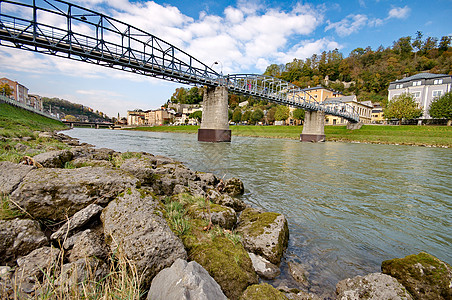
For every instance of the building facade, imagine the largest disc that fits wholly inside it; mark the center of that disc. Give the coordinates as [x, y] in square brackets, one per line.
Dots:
[20, 92]
[424, 87]
[35, 101]
[364, 109]
[135, 118]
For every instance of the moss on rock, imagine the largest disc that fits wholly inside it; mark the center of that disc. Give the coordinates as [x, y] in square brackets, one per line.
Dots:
[262, 291]
[423, 275]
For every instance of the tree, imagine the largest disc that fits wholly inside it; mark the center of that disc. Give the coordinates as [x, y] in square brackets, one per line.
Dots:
[6, 90]
[282, 113]
[71, 118]
[256, 116]
[441, 108]
[237, 115]
[403, 107]
[271, 115]
[298, 114]
[196, 115]
[246, 116]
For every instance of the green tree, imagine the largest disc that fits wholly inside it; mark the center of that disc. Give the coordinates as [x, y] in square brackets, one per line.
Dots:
[6, 90]
[237, 115]
[282, 113]
[246, 116]
[256, 116]
[271, 114]
[298, 114]
[441, 108]
[196, 115]
[403, 107]
[71, 118]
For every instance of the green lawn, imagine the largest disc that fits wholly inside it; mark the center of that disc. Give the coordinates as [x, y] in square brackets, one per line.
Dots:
[406, 134]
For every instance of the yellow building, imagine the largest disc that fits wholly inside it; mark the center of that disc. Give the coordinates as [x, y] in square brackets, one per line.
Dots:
[377, 115]
[158, 117]
[135, 118]
[320, 93]
[364, 110]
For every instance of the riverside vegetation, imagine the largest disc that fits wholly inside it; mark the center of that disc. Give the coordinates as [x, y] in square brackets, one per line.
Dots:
[85, 223]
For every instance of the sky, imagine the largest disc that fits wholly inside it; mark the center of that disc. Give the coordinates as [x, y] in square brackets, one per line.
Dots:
[242, 36]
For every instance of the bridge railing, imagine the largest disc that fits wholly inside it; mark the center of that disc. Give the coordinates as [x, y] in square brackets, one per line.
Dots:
[64, 29]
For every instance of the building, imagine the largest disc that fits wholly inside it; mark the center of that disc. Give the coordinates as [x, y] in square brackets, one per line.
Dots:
[158, 117]
[20, 92]
[364, 109]
[320, 93]
[424, 87]
[377, 114]
[35, 101]
[135, 118]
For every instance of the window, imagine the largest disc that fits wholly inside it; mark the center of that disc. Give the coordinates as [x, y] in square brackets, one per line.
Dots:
[438, 81]
[437, 94]
[399, 86]
[416, 95]
[417, 83]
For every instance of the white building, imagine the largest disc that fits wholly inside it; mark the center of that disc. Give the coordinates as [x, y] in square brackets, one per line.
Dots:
[424, 87]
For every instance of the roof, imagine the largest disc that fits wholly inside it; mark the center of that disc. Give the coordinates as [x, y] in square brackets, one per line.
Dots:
[421, 76]
[343, 99]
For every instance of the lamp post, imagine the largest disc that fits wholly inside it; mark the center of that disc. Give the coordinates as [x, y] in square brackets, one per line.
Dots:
[221, 65]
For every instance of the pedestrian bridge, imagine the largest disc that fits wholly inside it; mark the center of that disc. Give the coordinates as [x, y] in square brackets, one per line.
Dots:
[67, 30]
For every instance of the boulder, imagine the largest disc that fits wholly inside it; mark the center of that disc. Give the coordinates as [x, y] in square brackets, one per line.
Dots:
[84, 270]
[88, 244]
[54, 159]
[79, 219]
[423, 275]
[299, 273]
[372, 286]
[141, 168]
[81, 162]
[102, 154]
[19, 238]
[184, 174]
[262, 291]
[226, 200]
[263, 267]
[227, 262]
[233, 187]
[184, 281]
[222, 216]
[11, 175]
[59, 193]
[33, 266]
[264, 233]
[133, 226]
[208, 178]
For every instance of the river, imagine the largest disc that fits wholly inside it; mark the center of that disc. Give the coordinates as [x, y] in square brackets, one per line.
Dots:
[349, 206]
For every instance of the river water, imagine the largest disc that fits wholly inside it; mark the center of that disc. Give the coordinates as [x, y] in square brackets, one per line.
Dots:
[349, 206]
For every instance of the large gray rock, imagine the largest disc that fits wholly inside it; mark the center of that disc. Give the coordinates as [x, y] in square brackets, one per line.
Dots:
[423, 275]
[184, 281]
[264, 233]
[59, 193]
[88, 244]
[233, 187]
[33, 266]
[54, 159]
[263, 267]
[132, 224]
[18, 238]
[81, 162]
[226, 200]
[11, 175]
[141, 168]
[372, 286]
[79, 219]
[83, 270]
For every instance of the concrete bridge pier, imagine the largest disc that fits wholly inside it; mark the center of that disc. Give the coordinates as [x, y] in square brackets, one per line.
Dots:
[313, 127]
[214, 123]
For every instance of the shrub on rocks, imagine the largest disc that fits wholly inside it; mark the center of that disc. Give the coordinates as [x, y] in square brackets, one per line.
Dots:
[423, 275]
[264, 233]
[262, 291]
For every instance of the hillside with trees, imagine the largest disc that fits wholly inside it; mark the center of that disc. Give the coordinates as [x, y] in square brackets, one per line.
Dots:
[73, 111]
[367, 72]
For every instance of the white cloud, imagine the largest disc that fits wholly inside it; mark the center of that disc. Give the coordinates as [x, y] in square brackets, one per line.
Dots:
[349, 25]
[399, 12]
[306, 49]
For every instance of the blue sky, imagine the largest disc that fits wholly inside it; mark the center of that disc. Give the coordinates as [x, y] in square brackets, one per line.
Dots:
[245, 36]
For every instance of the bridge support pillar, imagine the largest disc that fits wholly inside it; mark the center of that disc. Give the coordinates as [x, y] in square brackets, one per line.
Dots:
[313, 127]
[214, 123]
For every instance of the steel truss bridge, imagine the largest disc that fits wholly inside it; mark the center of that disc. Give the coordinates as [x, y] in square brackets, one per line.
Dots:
[63, 29]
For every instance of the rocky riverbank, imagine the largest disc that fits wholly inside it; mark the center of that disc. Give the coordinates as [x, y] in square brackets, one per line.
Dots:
[73, 219]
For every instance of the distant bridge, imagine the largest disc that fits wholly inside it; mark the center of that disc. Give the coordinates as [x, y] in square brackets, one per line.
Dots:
[67, 30]
[97, 125]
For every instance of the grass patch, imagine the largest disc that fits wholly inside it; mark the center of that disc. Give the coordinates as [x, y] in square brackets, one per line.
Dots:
[8, 209]
[385, 134]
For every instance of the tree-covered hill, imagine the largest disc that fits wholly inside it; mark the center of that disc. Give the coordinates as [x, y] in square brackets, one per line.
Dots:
[367, 72]
[69, 110]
